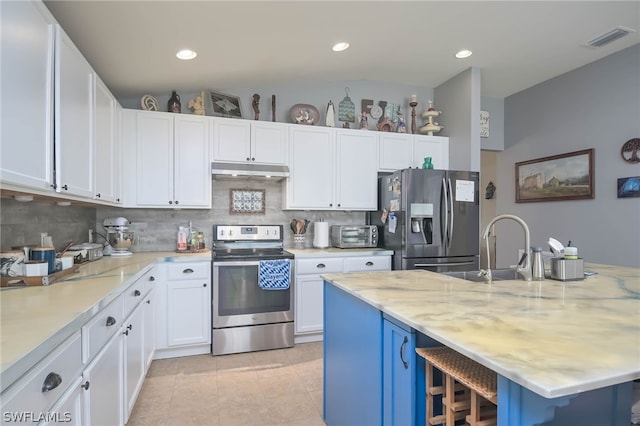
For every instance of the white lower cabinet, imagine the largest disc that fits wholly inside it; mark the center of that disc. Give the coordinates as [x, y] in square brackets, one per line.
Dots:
[69, 409]
[309, 308]
[102, 384]
[134, 361]
[113, 378]
[183, 311]
[40, 389]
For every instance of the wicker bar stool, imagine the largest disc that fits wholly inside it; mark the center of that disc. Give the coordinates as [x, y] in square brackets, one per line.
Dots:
[468, 390]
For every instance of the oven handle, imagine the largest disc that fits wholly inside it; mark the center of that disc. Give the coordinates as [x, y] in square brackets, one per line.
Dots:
[223, 263]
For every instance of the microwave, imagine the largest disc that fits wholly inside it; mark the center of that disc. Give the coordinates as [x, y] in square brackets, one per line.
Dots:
[354, 236]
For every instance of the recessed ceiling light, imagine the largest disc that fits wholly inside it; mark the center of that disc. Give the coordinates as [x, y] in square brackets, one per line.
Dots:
[463, 54]
[186, 54]
[339, 47]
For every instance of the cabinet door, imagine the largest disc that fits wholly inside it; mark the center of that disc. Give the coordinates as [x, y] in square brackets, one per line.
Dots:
[134, 361]
[395, 151]
[74, 115]
[69, 409]
[149, 327]
[352, 360]
[104, 142]
[103, 385]
[310, 185]
[154, 165]
[231, 140]
[118, 165]
[399, 375]
[436, 147]
[357, 171]
[26, 153]
[309, 304]
[269, 143]
[192, 164]
[188, 312]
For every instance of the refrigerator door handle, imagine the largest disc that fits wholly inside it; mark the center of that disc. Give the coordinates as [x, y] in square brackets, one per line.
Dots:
[450, 237]
[446, 214]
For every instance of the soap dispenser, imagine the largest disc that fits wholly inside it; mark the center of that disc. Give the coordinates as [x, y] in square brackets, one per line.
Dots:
[537, 264]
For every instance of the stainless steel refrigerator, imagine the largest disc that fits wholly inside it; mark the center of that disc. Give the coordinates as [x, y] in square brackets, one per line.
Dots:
[430, 218]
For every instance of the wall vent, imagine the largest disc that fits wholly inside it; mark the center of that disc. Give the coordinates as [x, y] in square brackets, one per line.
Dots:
[610, 36]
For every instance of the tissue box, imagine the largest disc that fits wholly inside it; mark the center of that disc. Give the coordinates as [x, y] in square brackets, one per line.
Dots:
[567, 269]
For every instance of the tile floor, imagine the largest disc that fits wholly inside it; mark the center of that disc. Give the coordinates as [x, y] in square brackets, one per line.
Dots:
[277, 387]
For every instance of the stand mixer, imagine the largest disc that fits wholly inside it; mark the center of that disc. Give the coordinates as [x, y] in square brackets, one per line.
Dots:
[120, 239]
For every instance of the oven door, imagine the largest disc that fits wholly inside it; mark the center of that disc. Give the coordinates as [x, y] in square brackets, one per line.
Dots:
[239, 301]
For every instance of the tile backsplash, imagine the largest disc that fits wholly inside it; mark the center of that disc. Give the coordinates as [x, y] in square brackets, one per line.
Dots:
[156, 229]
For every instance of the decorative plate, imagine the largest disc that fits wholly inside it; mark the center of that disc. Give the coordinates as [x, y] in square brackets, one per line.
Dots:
[376, 112]
[149, 103]
[304, 114]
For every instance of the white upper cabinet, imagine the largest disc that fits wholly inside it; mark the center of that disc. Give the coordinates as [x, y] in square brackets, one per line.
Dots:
[332, 169]
[27, 54]
[244, 141]
[436, 147]
[395, 151]
[402, 150]
[74, 111]
[172, 165]
[105, 138]
[310, 185]
[357, 172]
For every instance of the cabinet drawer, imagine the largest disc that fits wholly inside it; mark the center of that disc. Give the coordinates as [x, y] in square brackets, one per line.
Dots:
[57, 370]
[135, 293]
[101, 327]
[189, 271]
[368, 263]
[319, 266]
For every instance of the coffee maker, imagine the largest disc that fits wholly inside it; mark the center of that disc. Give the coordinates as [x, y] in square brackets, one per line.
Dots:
[119, 237]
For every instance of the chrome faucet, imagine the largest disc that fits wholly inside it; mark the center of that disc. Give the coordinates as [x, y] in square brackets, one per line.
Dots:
[523, 268]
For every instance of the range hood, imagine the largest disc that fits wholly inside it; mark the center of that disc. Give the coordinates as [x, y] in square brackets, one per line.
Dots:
[249, 170]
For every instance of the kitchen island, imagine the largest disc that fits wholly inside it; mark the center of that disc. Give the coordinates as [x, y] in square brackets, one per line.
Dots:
[564, 352]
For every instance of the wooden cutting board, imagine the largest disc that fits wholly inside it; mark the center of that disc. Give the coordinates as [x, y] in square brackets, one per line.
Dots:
[36, 281]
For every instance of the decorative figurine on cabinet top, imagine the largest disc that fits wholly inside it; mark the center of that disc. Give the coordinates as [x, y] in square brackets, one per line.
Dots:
[331, 115]
[364, 121]
[255, 103]
[431, 126]
[196, 105]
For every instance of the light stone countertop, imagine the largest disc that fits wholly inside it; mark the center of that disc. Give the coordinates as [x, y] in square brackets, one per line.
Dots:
[554, 338]
[36, 319]
[310, 253]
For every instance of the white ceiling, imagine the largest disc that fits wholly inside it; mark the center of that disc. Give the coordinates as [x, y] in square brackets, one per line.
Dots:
[517, 44]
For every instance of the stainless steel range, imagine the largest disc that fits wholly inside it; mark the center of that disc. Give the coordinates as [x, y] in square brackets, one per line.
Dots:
[252, 289]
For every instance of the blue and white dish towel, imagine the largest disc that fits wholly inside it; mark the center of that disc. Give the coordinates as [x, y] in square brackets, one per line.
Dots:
[274, 274]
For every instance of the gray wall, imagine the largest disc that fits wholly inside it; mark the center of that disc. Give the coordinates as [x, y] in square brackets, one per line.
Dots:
[495, 107]
[596, 106]
[459, 100]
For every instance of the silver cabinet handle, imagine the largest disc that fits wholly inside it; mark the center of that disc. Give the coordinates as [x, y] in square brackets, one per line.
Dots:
[111, 321]
[321, 265]
[188, 271]
[369, 263]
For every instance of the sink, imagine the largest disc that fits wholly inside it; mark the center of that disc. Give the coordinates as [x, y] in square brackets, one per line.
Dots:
[496, 275]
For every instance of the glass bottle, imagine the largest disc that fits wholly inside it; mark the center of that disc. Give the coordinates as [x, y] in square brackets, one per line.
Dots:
[174, 104]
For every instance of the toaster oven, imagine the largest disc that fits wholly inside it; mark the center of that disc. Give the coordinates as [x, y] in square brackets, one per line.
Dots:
[354, 236]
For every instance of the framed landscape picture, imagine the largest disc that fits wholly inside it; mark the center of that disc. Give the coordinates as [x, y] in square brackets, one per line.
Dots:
[221, 105]
[555, 178]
